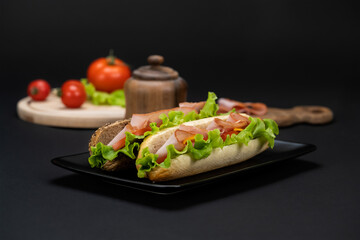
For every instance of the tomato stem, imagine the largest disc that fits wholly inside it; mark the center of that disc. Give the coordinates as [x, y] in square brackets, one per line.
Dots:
[111, 57]
[34, 91]
[58, 92]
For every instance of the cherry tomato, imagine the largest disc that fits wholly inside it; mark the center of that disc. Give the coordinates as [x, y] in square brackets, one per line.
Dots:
[108, 74]
[73, 94]
[71, 82]
[38, 89]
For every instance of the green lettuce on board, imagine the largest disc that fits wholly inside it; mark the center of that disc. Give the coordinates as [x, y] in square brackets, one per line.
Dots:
[116, 97]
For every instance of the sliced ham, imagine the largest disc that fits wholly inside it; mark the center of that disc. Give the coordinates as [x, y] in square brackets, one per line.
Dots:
[162, 151]
[121, 135]
[257, 108]
[185, 132]
[143, 120]
[226, 125]
[236, 117]
[232, 125]
[226, 105]
[235, 120]
[194, 105]
[213, 125]
[179, 139]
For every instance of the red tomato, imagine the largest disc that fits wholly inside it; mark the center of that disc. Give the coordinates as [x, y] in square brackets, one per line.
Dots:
[73, 94]
[38, 89]
[101, 63]
[224, 135]
[71, 82]
[120, 144]
[108, 74]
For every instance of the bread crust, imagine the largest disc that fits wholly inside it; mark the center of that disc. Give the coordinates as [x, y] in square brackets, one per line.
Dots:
[105, 134]
[184, 165]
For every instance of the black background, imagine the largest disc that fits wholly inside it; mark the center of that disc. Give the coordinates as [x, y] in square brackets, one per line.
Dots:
[288, 45]
[283, 53]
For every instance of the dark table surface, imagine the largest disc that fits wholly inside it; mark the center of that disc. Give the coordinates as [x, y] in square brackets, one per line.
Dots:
[315, 196]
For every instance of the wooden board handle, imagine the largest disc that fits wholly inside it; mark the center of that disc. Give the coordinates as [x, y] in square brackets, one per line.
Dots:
[312, 114]
[300, 114]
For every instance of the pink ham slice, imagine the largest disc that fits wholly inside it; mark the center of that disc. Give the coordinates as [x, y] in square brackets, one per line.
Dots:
[120, 135]
[139, 121]
[232, 125]
[225, 126]
[236, 117]
[194, 105]
[235, 120]
[162, 151]
[185, 132]
[226, 105]
[178, 139]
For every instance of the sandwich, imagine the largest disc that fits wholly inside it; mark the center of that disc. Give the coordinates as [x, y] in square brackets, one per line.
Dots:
[179, 142]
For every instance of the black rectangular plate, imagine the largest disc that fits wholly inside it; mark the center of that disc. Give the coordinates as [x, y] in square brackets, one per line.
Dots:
[283, 150]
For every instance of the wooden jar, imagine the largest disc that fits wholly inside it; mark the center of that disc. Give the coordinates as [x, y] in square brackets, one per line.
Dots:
[154, 87]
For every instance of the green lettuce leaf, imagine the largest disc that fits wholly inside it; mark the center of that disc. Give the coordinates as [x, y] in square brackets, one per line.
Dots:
[172, 119]
[210, 108]
[147, 162]
[89, 88]
[97, 159]
[266, 129]
[175, 118]
[117, 97]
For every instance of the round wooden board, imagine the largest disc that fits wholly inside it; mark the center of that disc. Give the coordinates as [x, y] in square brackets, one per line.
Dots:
[52, 112]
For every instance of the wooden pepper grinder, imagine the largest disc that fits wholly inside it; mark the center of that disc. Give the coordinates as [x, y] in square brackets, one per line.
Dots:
[154, 87]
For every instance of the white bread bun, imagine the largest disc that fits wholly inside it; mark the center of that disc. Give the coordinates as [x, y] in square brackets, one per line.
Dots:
[184, 165]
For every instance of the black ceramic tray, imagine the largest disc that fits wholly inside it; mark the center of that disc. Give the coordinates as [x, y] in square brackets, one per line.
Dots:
[283, 150]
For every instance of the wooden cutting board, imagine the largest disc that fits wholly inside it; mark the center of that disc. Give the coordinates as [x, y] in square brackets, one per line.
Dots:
[52, 112]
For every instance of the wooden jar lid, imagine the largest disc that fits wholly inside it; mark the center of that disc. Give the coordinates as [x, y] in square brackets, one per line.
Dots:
[155, 71]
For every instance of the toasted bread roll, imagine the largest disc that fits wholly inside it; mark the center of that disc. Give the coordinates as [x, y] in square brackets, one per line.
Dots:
[184, 165]
[105, 134]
